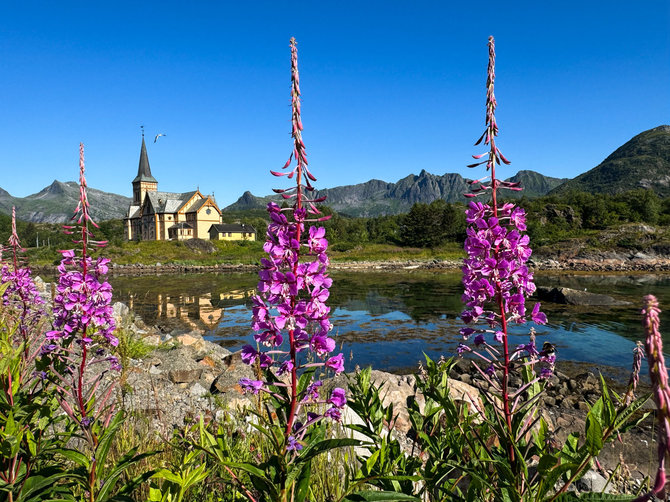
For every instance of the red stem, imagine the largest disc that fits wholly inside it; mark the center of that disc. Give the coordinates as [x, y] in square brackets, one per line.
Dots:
[298, 149]
[501, 303]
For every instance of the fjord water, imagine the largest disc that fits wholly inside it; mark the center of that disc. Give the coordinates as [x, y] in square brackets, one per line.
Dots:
[389, 319]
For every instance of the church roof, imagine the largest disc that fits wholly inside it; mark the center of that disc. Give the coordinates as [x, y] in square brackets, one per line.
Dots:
[165, 202]
[196, 205]
[232, 227]
[133, 211]
[144, 170]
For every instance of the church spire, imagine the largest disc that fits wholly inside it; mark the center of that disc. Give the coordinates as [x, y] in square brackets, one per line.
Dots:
[144, 170]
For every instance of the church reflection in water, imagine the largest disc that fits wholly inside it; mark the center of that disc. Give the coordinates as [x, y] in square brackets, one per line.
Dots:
[198, 311]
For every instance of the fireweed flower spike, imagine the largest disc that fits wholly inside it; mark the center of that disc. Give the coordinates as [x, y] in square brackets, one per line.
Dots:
[83, 326]
[292, 291]
[496, 278]
[661, 391]
[22, 295]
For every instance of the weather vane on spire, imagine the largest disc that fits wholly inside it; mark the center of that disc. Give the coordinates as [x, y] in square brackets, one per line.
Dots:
[142, 128]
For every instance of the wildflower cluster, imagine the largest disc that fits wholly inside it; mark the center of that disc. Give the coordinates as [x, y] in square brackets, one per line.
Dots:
[496, 277]
[658, 374]
[496, 282]
[83, 321]
[82, 305]
[292, 293]
[21, 291]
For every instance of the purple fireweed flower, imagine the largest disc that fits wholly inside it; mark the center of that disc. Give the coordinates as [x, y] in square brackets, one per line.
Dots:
[334, 414]
[495, 275]
[496, 278]
[249, 356]
[661, 390]
[317, 242]
[312, 392]
[293, 285]
[83, 324]
[338, 397]
[336, 363]
[466, 332]
[285, 367]
[293, 444]
[638, 355]
[253, 386]
[537, 316]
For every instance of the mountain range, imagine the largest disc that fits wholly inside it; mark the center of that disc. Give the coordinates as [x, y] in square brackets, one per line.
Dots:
[642, 162]
[376, 197]
[56, 204]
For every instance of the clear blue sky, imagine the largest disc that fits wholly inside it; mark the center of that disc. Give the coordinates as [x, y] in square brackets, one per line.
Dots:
[389, 88]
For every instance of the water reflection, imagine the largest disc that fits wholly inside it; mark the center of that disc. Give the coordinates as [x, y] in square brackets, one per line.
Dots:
[390, 319]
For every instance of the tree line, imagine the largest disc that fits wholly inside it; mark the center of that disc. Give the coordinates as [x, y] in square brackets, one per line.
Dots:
[423, 226]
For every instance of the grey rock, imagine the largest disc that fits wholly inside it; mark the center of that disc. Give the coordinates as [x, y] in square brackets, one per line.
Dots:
[568, 296]
[121, 310]
[185, 375]
[197, 390]
[593, 482]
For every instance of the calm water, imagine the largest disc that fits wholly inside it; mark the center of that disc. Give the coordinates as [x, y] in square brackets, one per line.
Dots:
[390, 319]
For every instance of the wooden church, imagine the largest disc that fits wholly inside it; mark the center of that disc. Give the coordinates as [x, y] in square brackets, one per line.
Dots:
[160, 216]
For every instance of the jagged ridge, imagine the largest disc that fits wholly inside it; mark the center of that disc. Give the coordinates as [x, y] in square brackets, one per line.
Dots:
[56, 204]
[376, 197]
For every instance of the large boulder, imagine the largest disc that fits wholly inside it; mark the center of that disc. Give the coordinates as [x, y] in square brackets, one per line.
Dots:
[568, 296]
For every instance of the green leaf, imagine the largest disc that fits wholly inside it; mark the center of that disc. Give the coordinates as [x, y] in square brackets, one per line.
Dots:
[327, 444]
[626, 413]
[130, 458]
[546, 463]
[102, 449]
[168, 476]
[594, 435]
[38, 485]
[372, 496]
[302, 484]
[76, 456]
[250, 468]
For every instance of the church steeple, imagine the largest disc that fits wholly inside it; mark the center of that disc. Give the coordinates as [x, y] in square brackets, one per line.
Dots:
[144, 181]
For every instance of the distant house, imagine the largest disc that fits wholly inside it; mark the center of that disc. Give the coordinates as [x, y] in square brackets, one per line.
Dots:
[160, 216]
[232, 232]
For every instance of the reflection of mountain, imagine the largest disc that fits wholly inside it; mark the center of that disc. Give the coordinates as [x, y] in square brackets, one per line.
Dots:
[423, 300]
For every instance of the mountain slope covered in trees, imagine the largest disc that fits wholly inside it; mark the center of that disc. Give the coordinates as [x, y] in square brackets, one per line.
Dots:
[642, 162]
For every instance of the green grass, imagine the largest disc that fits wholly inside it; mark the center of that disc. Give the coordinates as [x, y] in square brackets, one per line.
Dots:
[388, 252]
[175, 252]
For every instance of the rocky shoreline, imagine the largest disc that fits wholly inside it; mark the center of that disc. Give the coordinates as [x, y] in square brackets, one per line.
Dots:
[606, 261]
[186, 376]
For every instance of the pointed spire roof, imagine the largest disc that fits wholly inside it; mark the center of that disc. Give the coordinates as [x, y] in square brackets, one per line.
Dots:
[143, 170]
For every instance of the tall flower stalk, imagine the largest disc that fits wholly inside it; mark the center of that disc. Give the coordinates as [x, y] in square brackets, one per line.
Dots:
[21, 293]
[658, 374]
[293, 290]
[496, 279]
[291, 321]
[83, 333]
[21, 389]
